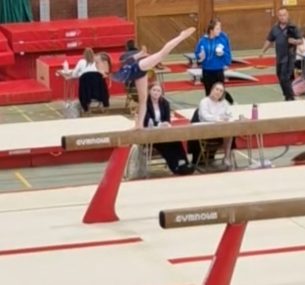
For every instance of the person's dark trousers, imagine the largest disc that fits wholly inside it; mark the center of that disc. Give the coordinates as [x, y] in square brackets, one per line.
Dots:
[210, 77]
[194, 149]
[284, 73]
[172, 152]
[104, 95]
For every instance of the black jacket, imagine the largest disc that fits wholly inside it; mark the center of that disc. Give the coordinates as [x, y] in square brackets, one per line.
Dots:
[92, 85]
[164, 111]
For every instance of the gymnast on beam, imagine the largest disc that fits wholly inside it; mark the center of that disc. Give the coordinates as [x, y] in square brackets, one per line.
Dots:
[136, 67]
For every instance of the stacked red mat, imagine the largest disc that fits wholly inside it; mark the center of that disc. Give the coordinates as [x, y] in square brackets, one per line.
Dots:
[6, 54]
[25, 91]
[66, 35]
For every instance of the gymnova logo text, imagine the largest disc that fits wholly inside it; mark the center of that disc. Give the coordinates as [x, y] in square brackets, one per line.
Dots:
[92, 141]
[197, 217]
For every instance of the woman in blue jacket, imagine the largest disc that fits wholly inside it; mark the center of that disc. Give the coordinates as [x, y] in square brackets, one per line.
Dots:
[213, 52]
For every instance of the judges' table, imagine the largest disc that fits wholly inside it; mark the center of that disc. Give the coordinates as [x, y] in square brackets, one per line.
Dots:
[273, 110]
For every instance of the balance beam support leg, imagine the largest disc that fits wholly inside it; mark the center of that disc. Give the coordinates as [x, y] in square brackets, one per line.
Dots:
[102, 205]
[222, 267]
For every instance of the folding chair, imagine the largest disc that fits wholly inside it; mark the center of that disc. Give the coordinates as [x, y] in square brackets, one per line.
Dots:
[152, 158]
[208, 149]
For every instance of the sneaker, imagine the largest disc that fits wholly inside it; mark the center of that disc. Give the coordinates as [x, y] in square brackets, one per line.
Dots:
[185, 169]
[227, 162]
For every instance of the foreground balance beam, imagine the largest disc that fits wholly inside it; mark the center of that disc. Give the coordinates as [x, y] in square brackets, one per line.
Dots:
[236, 216]
[122, 140]
[232, 213]
[187, 132]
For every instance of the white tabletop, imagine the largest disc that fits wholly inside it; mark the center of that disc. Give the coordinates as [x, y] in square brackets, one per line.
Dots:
[30, 135]
[271, 110]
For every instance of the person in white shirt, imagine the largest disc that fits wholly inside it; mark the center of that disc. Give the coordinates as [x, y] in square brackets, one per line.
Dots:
[86, 64]
[214, 108]
[94, 79]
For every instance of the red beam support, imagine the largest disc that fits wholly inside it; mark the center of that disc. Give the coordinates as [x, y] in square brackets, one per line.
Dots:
[102, 205]
[223, 263]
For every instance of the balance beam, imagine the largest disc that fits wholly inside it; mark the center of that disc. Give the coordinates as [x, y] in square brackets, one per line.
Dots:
[236, 216]
[237, 213]
[180, 133]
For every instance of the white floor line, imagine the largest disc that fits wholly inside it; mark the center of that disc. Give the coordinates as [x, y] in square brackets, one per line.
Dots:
[246, 156]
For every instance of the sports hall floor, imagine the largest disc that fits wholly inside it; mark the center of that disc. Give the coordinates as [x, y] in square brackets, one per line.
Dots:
[43, 240]
[90, 173]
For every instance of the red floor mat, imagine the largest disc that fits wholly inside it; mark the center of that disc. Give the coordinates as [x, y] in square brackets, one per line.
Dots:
[6, 58]
[6, 54]
[260, 62]
[253, 62]
[22, 92]
[188, 84]
[102, 32]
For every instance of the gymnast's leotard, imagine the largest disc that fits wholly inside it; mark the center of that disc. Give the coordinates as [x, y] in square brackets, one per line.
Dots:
[129, 71]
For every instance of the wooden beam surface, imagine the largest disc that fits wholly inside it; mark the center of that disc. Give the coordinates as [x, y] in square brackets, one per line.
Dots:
[232, 213]
[182, 133]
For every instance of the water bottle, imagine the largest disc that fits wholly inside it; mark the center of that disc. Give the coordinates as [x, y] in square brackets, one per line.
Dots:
[254, 115]
[150, 123]
[202, 53]
[65, 66]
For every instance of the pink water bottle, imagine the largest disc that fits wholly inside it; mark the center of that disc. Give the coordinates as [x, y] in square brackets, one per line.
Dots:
[254, 115]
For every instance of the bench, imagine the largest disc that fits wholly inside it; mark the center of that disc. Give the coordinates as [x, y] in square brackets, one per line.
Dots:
[196, 74]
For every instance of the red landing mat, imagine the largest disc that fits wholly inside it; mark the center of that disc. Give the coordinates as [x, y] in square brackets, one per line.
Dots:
[68, 34]
[261, 62]
[72, 28]
[23, 91]
[71, 44]
[51, 156]
[6, 54]
[273, 140]
[68, 157]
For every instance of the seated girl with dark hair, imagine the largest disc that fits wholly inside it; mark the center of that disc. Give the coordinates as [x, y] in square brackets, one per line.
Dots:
[158, 115]
[213, 108]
